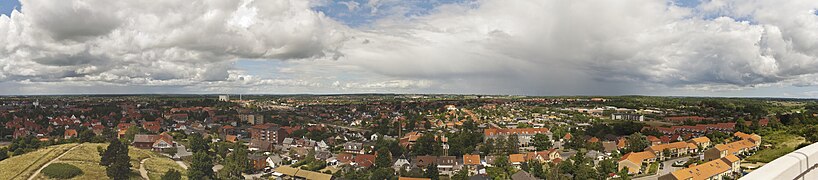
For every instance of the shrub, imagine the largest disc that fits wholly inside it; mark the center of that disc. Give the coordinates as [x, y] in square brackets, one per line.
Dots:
[62, 171]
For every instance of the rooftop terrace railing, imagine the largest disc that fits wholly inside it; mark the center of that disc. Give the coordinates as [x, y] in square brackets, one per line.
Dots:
[798, 165]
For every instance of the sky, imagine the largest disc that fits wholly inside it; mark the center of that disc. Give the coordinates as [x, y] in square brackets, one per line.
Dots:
[735, 48]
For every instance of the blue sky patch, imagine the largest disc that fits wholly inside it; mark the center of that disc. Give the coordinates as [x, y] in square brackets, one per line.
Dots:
[361, 12]
[6, 6]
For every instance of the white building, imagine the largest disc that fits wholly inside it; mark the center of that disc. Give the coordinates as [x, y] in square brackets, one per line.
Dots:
[224, 98]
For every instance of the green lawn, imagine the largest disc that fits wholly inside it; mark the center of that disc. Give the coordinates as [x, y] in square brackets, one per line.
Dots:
[22, 166]
[782, 143]
[157, 167]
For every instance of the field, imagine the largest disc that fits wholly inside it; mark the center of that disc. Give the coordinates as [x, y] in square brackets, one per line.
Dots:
[86, 157]
[782, 143]
[157, 167]
[22, 166]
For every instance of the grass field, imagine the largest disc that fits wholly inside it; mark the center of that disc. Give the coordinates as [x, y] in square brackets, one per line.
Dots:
[22, 166]
[86, 157]
[157, 167]
[782, 142]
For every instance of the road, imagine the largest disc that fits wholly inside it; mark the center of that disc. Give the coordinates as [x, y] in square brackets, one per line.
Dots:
[142, 171]
[52, 161]
[667, 170]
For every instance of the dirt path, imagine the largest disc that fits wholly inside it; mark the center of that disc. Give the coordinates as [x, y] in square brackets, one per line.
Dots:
[184, 166]
[52, 161]
[142, 171]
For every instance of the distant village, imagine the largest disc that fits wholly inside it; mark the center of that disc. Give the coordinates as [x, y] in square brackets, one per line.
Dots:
[407, 136]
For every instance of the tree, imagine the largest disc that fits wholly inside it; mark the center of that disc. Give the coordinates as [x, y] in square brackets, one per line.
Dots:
[384, 158]
[432, 172]
[607, 166]
[172, 174]
[383, 173]
[198, 144]
[461, 175]
[536, 168]
[426, 145]
[513, 145]
[637, 142]
[235, 163]
[4, 153]
[201, 167]
[86, 135]
[541, 142]
[116, 160]
[741, 126]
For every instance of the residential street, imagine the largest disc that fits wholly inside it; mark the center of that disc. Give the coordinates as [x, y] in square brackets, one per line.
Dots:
[667, 170]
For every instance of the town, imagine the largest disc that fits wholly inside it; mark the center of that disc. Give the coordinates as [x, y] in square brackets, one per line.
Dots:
[395, 136]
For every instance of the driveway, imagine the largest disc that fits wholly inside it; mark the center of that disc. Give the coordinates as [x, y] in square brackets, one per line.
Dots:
[667, 170]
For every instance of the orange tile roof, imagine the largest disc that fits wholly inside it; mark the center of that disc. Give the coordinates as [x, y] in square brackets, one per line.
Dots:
[661, 147]
[516, 158]
[471, 159]
[638, 157]
[735, 146]
[702, 139]
[703, 171]
[731, 158]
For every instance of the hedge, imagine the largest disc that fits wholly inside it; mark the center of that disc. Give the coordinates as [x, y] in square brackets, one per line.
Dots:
[61, 171]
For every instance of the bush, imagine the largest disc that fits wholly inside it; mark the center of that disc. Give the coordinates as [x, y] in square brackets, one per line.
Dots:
[62, 171]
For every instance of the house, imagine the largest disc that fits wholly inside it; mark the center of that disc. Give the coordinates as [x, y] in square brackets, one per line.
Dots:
[258, 161]
[543, 156]
[152, 126]
[733, 148]
[635, 161]
[154, 142]
[401, 163]
[676, 149]
[609, 146]
[654, 140]
[702, 142]
[754, 138]
[712, 170]
[364, 160]
[516, 159]
[447, 165]
[354, 148]
[98, 129]
[70, 133]
[470, 162]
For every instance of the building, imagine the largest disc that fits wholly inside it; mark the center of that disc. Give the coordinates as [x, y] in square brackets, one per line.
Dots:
[703, 142]
[676, 149]
[154, 142]
[471, 163]
[733, 148]
[70, 133]
[543, 156]
[354, 148]
[224, 98]
[445, 164]
[252, 119]
[754, 138]
[628, 117]
[712, 170]
[524, 135]
[636, 161]
[267, 132]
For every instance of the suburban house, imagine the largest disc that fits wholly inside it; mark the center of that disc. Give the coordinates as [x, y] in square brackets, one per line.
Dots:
[712, 170]
[702, 142]
[733, 148]
[543, 156]
[70, 133]
[471, 163]
[153, 142]
[353, 148]
[676, 149]
[636, 161]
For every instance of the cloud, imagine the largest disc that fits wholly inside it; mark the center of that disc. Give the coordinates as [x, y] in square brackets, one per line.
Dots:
[486, 46]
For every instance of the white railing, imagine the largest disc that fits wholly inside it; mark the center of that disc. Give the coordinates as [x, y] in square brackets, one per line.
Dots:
[798, 165]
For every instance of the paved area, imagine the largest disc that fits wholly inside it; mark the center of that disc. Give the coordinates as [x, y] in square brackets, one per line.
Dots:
[181, 151]
[142, 171]
[52, 161]
[667, 170]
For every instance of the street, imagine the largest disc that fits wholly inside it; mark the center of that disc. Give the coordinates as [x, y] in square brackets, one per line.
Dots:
[667, 170]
